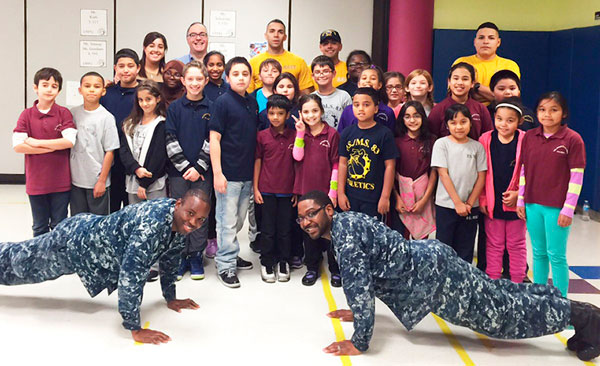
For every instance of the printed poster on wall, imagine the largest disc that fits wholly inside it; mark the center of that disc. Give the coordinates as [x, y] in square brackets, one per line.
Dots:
[257, 47]
[94, 22]
[92, 53]
[222, 23]
[73, 96]
[226, 48]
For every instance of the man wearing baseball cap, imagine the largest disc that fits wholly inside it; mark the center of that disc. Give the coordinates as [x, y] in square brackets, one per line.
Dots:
[330, 44]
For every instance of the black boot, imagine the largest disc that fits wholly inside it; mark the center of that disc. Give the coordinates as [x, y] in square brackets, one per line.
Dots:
[585, 318]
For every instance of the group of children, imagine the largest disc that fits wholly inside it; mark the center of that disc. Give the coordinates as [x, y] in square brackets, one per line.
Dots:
[379, 146]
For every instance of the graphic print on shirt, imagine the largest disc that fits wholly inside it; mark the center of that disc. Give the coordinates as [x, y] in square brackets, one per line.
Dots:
[359, 163]
[561, 149]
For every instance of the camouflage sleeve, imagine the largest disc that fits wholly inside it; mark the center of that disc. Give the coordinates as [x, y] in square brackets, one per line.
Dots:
[168, 263]
[359, 291]
[132, 277]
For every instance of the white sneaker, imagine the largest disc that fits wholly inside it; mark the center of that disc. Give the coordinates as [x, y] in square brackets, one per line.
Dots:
[267, 274]
[283, 271]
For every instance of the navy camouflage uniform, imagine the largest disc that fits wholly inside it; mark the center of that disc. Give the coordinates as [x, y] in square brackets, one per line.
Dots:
[107, 252]
[416, 277]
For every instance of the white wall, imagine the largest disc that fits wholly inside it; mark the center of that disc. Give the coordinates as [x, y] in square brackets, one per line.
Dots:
[13, 94]
[353, 19]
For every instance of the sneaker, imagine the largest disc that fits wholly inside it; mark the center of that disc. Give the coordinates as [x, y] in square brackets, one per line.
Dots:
[283, 271]
[197, 267]
[296, 262]
[586, 320]
[229, 278]
[184, 266]
[211, 248]
[336, 280]
[310, 277]
[255, 247]
[153, 276]
[267, 274]
[242, 264]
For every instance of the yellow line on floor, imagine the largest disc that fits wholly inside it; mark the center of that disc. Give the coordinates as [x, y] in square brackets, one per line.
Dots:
[453, 340]
[564, 341]
[487, 342]
[337, 325]
[146, 326]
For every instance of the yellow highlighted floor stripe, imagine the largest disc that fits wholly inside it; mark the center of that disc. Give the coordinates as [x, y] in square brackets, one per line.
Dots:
[564, 341]
[487, 342]
[337, 325]
[453, 340]
[146, 326]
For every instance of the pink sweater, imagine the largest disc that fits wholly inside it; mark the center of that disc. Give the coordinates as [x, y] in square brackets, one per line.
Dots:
[487, 195]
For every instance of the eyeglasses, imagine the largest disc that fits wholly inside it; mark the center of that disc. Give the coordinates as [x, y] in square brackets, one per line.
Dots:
[392, 87]
[414, 117]
[172, 74]
[358, 64]
[309, 216]
[322, 72]
[195, 35]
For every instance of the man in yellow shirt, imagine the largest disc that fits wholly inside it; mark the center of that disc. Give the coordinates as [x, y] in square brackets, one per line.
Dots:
[486, 62]
[295, 65]
[330, 44]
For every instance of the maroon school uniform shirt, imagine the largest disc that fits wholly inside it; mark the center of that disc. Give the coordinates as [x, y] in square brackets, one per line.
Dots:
[277, 166]
[46, 173]
[320, 153]
[414, 158]
[548, 163]
[480, 117]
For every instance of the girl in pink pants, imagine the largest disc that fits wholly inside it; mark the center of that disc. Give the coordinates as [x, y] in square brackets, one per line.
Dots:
[503, 227]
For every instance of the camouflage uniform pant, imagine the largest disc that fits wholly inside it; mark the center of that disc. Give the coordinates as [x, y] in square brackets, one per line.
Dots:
[35, 260]
[503, 309]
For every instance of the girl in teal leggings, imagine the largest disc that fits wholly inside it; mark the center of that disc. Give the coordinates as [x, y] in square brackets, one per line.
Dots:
[551, 178]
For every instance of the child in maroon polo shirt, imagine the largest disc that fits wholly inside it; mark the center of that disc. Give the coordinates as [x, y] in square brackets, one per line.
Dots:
[45, 133]
[553, 159]
[316, 153]
[273, 187]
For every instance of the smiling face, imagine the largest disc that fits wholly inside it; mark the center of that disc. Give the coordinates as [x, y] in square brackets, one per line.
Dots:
[275, 35]
[189, 215]
[155, 51]
[277, 117]
[197, 39]
[394, 90]
[459, 127]
[369, 78]
[323, 75]
[194, 82]
[92, 89]
[460, 82]
[239, 78]
[311, 113]
[356, 66]
[506, 88]
[412, 120]
[315, 220]
[285, 87]
[172, 78]
[363, 107]
[331, 48]
[506, 121]
[47, 90]
[216, 67]
[550, 114]
[486, 43]
[418, 87]
[147, 102]
[126, 70]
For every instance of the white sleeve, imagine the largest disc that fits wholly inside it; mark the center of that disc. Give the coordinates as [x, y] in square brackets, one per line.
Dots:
[19, 138]
[70, 134]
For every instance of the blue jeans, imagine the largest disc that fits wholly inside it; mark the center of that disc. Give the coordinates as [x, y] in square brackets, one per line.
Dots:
[48, 210]
[230, 214]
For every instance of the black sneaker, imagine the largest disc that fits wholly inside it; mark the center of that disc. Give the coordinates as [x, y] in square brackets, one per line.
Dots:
[229, 279]
[336, 280]
[152, 276]
[242, 264]
[255, 247]
[310, 278]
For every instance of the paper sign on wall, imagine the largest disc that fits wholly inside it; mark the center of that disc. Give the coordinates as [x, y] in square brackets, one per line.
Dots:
[94, 22]
[73, 96]
[257, 47]
[222, 23]
[226, 48]
[92, 53]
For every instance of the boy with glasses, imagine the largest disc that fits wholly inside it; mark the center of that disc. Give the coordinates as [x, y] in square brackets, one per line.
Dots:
[334, 100]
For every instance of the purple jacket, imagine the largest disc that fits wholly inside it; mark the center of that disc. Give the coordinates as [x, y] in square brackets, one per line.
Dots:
[385, 116]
